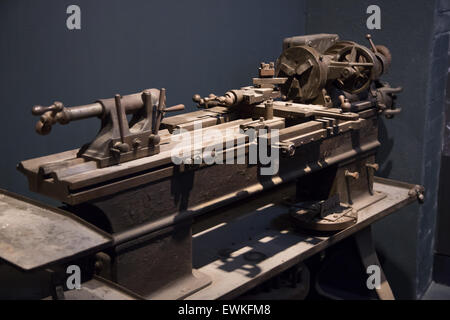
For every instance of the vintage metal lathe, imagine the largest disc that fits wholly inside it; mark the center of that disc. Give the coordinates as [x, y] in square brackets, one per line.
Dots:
[308, 121]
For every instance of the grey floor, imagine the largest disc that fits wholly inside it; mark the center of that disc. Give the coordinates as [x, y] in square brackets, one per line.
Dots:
[437, 291]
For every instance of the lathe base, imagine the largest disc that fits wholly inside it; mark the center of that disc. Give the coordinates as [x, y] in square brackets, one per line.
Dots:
[182, 288]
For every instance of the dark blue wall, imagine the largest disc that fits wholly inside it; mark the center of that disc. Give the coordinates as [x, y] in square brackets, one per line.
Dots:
[188, 47]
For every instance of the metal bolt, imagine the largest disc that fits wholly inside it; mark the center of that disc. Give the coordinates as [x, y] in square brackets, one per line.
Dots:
[154, 139]
[197, 159]
[121, 147]
[354, 175]
[136, 143]
[288, 149]
[421, 197]
[269, 110]
[373, 166]
[98, 266]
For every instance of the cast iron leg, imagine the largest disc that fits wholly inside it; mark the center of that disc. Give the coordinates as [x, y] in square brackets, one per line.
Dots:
[369, 257]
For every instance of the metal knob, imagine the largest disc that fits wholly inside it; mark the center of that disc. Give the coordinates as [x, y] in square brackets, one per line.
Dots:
[345, 104]
[374, 48]
[373, 166]
[55, 107]
[353, 175]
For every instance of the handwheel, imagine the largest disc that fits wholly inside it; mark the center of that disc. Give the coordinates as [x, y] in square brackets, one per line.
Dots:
[361, 62]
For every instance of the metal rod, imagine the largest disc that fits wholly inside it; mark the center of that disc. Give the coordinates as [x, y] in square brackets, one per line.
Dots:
[120, 115]
[161, 107]
[374, 48]
[148, 108]
[268, 115]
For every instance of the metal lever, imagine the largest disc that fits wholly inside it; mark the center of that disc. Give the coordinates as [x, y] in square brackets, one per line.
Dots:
[120, 147]
[374, 167]
[374, 48]
[385, 98]
[389, 113]
[161, 110]
[119, 111]
[350, 175]
[345, 104]
[178, 107]
[147, 99]
[49, 116]
[55, 107]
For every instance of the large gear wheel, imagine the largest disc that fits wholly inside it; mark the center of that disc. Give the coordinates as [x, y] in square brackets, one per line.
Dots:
[361, 60]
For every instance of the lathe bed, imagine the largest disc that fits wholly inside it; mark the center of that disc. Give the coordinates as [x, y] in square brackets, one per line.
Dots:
[266, 231]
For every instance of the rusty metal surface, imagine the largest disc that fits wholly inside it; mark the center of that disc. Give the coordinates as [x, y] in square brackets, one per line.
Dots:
[118, 140]
[100, 289]
[75, 187]
[267, 231]
[320, 77]
[34, 235]
[322, 98]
